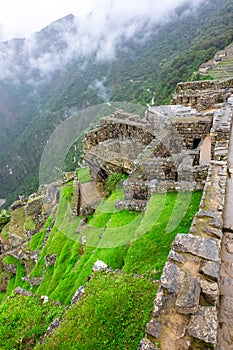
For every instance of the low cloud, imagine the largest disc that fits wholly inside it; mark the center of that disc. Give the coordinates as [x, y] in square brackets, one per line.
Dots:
[100, 89]
[98, 35]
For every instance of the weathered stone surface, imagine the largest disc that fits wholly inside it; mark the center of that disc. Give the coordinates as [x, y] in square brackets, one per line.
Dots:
[202, 95]
[146, 344]
[159, 302]
[77, 295]
[210, 291]
[204, 324]
[171, 277]
[215, 232]
[35, 281]
[50, 260]
[211, 269]
[153, 328]
[225, 333]
[22, 255]
[135, 205]
[34, 206]
[35, 255]
[188, 296]
[18, 204]
[50, 329]
[176, 257]
[202, 247]
[45, 299]
[21, 291]
[99, 266]
[12, 268]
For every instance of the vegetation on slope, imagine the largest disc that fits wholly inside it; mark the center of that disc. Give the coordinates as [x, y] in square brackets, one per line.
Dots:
[116, 305]
[24, 320]
[152, 69]
[112, 315]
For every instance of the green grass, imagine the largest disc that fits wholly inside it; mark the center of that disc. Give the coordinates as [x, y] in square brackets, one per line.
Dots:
[68, 191]
[148, 254]
[112, 315]
[15, 280]
[117, 306]
[23, 320]
[135, 242]
[38, 239]
[84, 175]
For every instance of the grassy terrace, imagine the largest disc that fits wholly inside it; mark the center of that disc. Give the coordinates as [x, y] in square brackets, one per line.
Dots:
[117, 305]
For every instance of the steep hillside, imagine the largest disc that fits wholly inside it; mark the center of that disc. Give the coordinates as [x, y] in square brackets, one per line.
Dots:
[58, 255]
[141, 70]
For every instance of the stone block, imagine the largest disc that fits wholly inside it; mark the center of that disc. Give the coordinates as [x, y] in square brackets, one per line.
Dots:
[153, 328]
[211, 269]
[50, 260]
[12, 268]
[146, 344]
[21, 291]
[171, 277]
[210, 291]
[176, 257]
[35, 281]
[188, 296]
[99, 266]
[159, 302]
[203, 325]
[77, 295]
[202, 247]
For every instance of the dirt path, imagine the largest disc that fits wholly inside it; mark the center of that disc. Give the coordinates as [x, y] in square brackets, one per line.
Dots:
[225, 331]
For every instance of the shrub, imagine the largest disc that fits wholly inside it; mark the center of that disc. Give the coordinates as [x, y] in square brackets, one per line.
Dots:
[113, 180]
[4, 218]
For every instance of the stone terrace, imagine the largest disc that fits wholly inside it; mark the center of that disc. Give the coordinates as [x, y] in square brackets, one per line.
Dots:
[185, 314]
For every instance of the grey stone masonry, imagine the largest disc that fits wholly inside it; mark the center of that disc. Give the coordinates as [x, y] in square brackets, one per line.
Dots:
[186, 306]
[160, 152]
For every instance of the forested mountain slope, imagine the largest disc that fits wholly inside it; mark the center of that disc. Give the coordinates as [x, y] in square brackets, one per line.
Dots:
[34, 102]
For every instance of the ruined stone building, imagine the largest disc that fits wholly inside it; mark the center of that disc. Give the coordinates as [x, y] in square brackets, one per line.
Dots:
[167, 150]
[184, 146]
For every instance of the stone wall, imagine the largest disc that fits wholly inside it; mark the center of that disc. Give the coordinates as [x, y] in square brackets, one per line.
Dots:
[160, 152]
[203, 95]
[75, 203]
[119, 125]
[185, 314]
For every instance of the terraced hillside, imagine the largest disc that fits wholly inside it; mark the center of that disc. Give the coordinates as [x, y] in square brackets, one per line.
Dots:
[57, 258]
[221, 67]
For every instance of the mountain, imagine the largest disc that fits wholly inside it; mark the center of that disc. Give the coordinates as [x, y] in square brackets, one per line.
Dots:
[47, 78]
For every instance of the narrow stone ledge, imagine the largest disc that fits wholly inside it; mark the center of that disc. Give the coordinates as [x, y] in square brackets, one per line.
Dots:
[204, 248]
[203, 325]
[176, 257]
[211, 269]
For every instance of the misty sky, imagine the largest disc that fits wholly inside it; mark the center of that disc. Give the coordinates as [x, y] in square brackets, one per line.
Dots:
[97, 30]
[22, 18]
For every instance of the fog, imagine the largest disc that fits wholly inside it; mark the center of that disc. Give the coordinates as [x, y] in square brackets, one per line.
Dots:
[98, 35]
